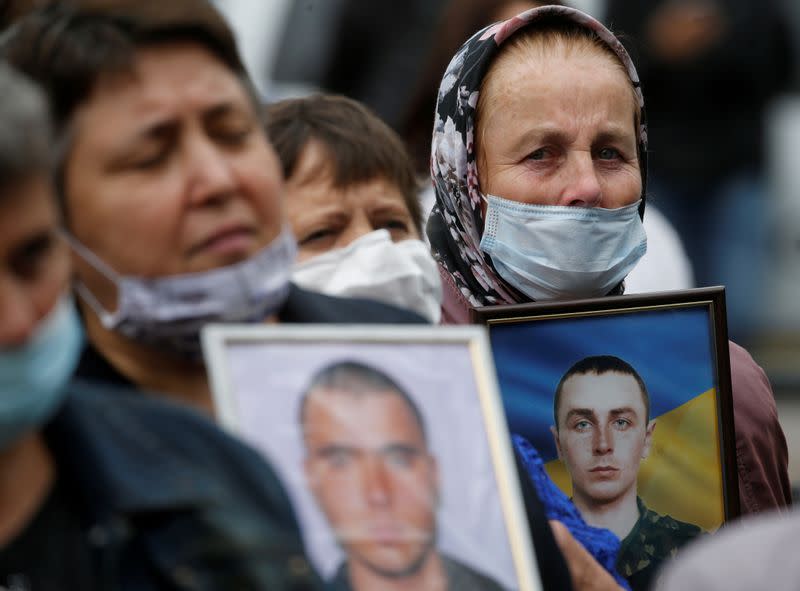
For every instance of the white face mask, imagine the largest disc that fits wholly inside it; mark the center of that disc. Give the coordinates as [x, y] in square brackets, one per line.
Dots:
[168, 312]
[400, 273]
[553, 252]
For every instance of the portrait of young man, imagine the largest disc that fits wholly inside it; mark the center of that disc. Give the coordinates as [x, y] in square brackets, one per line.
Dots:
[602, 432]
[369, 467]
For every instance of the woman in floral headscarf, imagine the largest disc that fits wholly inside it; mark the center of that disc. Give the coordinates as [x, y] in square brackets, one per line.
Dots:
[467, 166]
[540, 124]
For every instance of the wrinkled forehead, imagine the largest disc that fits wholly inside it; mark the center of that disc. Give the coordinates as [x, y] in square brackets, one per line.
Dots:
[538, 64]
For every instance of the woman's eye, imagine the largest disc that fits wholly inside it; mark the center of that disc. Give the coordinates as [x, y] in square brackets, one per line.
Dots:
[609, 154]
[316, 236]
[539, 154]
[151, 161]
[234, 136]
[30, 257]
[396, 225]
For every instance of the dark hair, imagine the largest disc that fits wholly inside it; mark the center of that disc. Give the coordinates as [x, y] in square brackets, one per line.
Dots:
[457, 22]
[66, 46]
[25, 139]
[13, 10]
[598, 365]
[360, 379]
[359, 145]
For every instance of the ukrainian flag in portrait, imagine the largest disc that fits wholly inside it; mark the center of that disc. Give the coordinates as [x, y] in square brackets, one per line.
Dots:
[673, 351]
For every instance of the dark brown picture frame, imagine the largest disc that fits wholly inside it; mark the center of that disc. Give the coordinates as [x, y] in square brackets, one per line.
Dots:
[530, 345]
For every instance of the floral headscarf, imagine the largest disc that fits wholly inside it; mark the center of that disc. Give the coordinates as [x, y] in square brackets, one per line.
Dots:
[456, 222]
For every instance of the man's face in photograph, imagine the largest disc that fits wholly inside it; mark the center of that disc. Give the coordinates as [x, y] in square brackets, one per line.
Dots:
[602, 434]
[369, 468]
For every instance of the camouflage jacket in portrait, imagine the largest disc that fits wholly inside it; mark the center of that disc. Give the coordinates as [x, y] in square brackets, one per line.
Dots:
[652, 540]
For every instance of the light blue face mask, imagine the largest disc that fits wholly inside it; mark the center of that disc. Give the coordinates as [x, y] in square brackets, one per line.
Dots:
[33, 376]
[553, 252]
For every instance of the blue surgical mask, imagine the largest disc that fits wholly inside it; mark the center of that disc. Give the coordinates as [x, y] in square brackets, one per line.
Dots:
[168, 312]
[33, 376]
[554, 252]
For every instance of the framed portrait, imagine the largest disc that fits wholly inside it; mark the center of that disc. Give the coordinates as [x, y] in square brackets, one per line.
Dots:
[393, 447]
[627, 399]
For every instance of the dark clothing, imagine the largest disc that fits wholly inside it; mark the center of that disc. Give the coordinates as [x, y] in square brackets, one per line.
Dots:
[301, 307]
[652, 540]
[309, 307]
[762, 455]
[705, 112]
[370, 51]
[160, 499]
[460, 577]
[25, 563]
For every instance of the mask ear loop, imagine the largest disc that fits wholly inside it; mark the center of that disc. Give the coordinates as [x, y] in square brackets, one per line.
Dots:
[108, 319]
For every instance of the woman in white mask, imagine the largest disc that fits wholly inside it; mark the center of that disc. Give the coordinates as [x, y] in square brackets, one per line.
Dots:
[352, 203]
[172, 194]
[539, 165]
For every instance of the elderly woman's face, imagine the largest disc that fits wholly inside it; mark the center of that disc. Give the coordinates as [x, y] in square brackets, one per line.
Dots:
[170, 172]
[324, 217]
[559, 131]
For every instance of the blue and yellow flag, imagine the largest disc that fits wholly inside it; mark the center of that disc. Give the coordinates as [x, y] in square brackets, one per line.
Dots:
[673, 351]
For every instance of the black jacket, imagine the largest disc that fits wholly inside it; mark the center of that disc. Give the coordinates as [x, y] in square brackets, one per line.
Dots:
[300, 307]
[706, 113]
[170, 501]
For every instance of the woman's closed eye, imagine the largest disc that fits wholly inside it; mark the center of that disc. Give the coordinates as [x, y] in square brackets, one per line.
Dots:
[399, 229]
[397, 222]
[149, 152]
[317, 236]
[150, 161]
[234, 135]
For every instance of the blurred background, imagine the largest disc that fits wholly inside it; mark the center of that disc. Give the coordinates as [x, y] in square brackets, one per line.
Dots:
[722, 86]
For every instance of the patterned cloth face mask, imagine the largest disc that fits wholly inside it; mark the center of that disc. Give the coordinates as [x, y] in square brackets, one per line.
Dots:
[169, 312]
[529, 251]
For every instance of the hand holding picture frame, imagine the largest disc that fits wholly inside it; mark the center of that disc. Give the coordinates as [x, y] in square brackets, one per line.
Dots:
[392, 444]
[628, 401]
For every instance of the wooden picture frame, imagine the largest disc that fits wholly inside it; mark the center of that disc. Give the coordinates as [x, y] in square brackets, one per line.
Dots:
[677, 342]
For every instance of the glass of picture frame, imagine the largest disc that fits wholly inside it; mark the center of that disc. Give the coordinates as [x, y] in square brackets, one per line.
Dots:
[391, 442]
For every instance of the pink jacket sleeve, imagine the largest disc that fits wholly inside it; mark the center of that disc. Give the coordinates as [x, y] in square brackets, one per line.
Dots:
[761, 452]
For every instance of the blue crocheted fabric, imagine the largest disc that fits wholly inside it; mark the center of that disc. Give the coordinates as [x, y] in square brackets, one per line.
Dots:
[599, 542]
